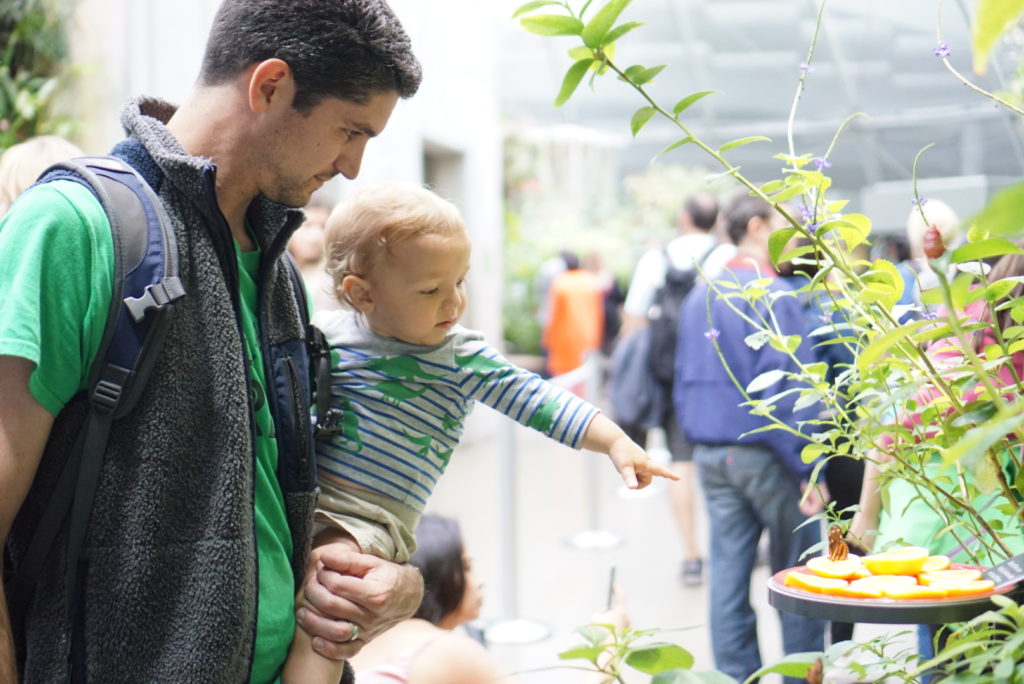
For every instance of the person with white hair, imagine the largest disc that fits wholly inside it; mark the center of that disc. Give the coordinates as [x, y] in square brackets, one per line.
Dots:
[21, 164]
[916, 271]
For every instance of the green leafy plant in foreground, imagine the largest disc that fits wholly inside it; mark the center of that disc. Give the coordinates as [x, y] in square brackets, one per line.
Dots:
[612, 651]
[975, 451]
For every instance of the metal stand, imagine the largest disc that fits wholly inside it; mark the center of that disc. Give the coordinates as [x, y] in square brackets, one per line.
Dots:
[511, 629]
[593, 538]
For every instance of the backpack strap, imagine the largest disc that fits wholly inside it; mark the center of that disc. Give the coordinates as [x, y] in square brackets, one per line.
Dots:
[145, 288]
[328, 419]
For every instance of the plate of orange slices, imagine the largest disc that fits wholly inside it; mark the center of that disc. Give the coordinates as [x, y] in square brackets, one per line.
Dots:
[899, 585]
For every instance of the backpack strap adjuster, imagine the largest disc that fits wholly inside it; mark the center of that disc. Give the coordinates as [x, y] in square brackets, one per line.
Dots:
[156, 296]
[106, 395]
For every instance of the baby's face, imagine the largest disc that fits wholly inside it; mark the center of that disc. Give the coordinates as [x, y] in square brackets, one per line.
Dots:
[419, 290]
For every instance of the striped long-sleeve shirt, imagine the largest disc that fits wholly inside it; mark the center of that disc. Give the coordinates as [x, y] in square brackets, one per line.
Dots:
[403, 405]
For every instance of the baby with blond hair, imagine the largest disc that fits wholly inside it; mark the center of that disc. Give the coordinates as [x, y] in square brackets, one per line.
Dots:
[405, 375]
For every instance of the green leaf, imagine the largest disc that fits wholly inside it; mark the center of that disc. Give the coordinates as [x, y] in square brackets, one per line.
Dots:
[677, 143]
[777, 242]
[657, 658]
[639, 74]
[572, 80]
[641, 117]
[976, 234]
[884, 282]
[765, 380]
[742, 141]
[580, 52]
[552, 25]
[978, 413]
[530, 6]
[978, 440]
[792, 665]
[712, 177]
[588, 653]
[647, 75]
[812, 451]
[691, 677]
[597, 28]
[620, 31]
[788, 193]
[785, 343]
[998, 290]
[772, 186]
[594, 634]
[984, 249]
[881, 344]
[687, 101]
[991, 20]
[1002, 215]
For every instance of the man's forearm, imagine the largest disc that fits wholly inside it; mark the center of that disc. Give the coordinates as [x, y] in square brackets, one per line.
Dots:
[8, 668]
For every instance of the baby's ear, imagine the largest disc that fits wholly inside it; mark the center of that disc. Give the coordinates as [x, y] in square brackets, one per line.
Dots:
[357, 293]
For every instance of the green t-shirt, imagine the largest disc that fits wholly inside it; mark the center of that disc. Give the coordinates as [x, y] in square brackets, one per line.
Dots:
[906, 518]
[56, 268]
[276, 609]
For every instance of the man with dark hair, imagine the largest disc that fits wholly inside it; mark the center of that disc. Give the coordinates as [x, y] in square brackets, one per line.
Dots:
[694, 245]
[201, 530]
[752, 479]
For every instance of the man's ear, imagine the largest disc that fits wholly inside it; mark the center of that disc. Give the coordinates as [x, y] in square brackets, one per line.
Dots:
[271, 83]
[357, 293]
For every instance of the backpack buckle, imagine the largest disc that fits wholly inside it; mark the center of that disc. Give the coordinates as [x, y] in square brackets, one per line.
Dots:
[329, 425]
[155, 296]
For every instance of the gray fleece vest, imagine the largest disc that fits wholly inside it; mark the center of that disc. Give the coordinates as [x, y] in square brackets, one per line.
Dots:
[168, 580]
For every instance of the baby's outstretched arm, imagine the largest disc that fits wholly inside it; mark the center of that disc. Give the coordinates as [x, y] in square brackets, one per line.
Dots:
[634, 465]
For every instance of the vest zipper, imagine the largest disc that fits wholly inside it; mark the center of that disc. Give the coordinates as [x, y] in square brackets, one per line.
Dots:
[223, 245]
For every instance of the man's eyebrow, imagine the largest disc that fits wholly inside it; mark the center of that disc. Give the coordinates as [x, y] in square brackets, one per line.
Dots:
[365, 129]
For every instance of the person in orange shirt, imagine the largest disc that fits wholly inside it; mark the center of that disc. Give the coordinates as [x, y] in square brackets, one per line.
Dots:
[576, 317]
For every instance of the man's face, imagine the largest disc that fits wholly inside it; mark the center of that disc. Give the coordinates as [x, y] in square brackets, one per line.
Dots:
[308, 150]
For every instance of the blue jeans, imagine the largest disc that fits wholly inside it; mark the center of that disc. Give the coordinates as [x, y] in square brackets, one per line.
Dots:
[746, 491]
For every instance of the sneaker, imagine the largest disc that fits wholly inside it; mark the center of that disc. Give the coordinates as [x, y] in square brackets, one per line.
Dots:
[693, 571]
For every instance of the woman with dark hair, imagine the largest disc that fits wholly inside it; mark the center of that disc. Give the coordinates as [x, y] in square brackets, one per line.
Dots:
[424, 649]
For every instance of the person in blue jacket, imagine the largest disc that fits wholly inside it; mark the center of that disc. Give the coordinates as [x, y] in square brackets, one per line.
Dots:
[753, 480]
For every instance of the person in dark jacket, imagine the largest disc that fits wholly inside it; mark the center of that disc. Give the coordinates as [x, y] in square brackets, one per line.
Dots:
[200, 536]
[752, 479]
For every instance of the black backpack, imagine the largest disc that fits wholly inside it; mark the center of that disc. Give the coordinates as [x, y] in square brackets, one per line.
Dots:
[663, 315]
[146, 287]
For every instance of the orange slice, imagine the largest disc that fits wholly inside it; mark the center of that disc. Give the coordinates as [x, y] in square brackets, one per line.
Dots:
[844, 569]
[907, 560]
[933, 563]
[914, 591]
[885, 580]
[814, 583]
[862, 591]
[965, 587]
[962, 575]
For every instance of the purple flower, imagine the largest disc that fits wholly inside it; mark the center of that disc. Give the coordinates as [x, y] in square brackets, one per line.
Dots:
[919, 201]
[821, 163]
[941, 51]
[806, 68]
[712, 334]
[813, 226]
[824, 319]
[929, 315]
[806, 212]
